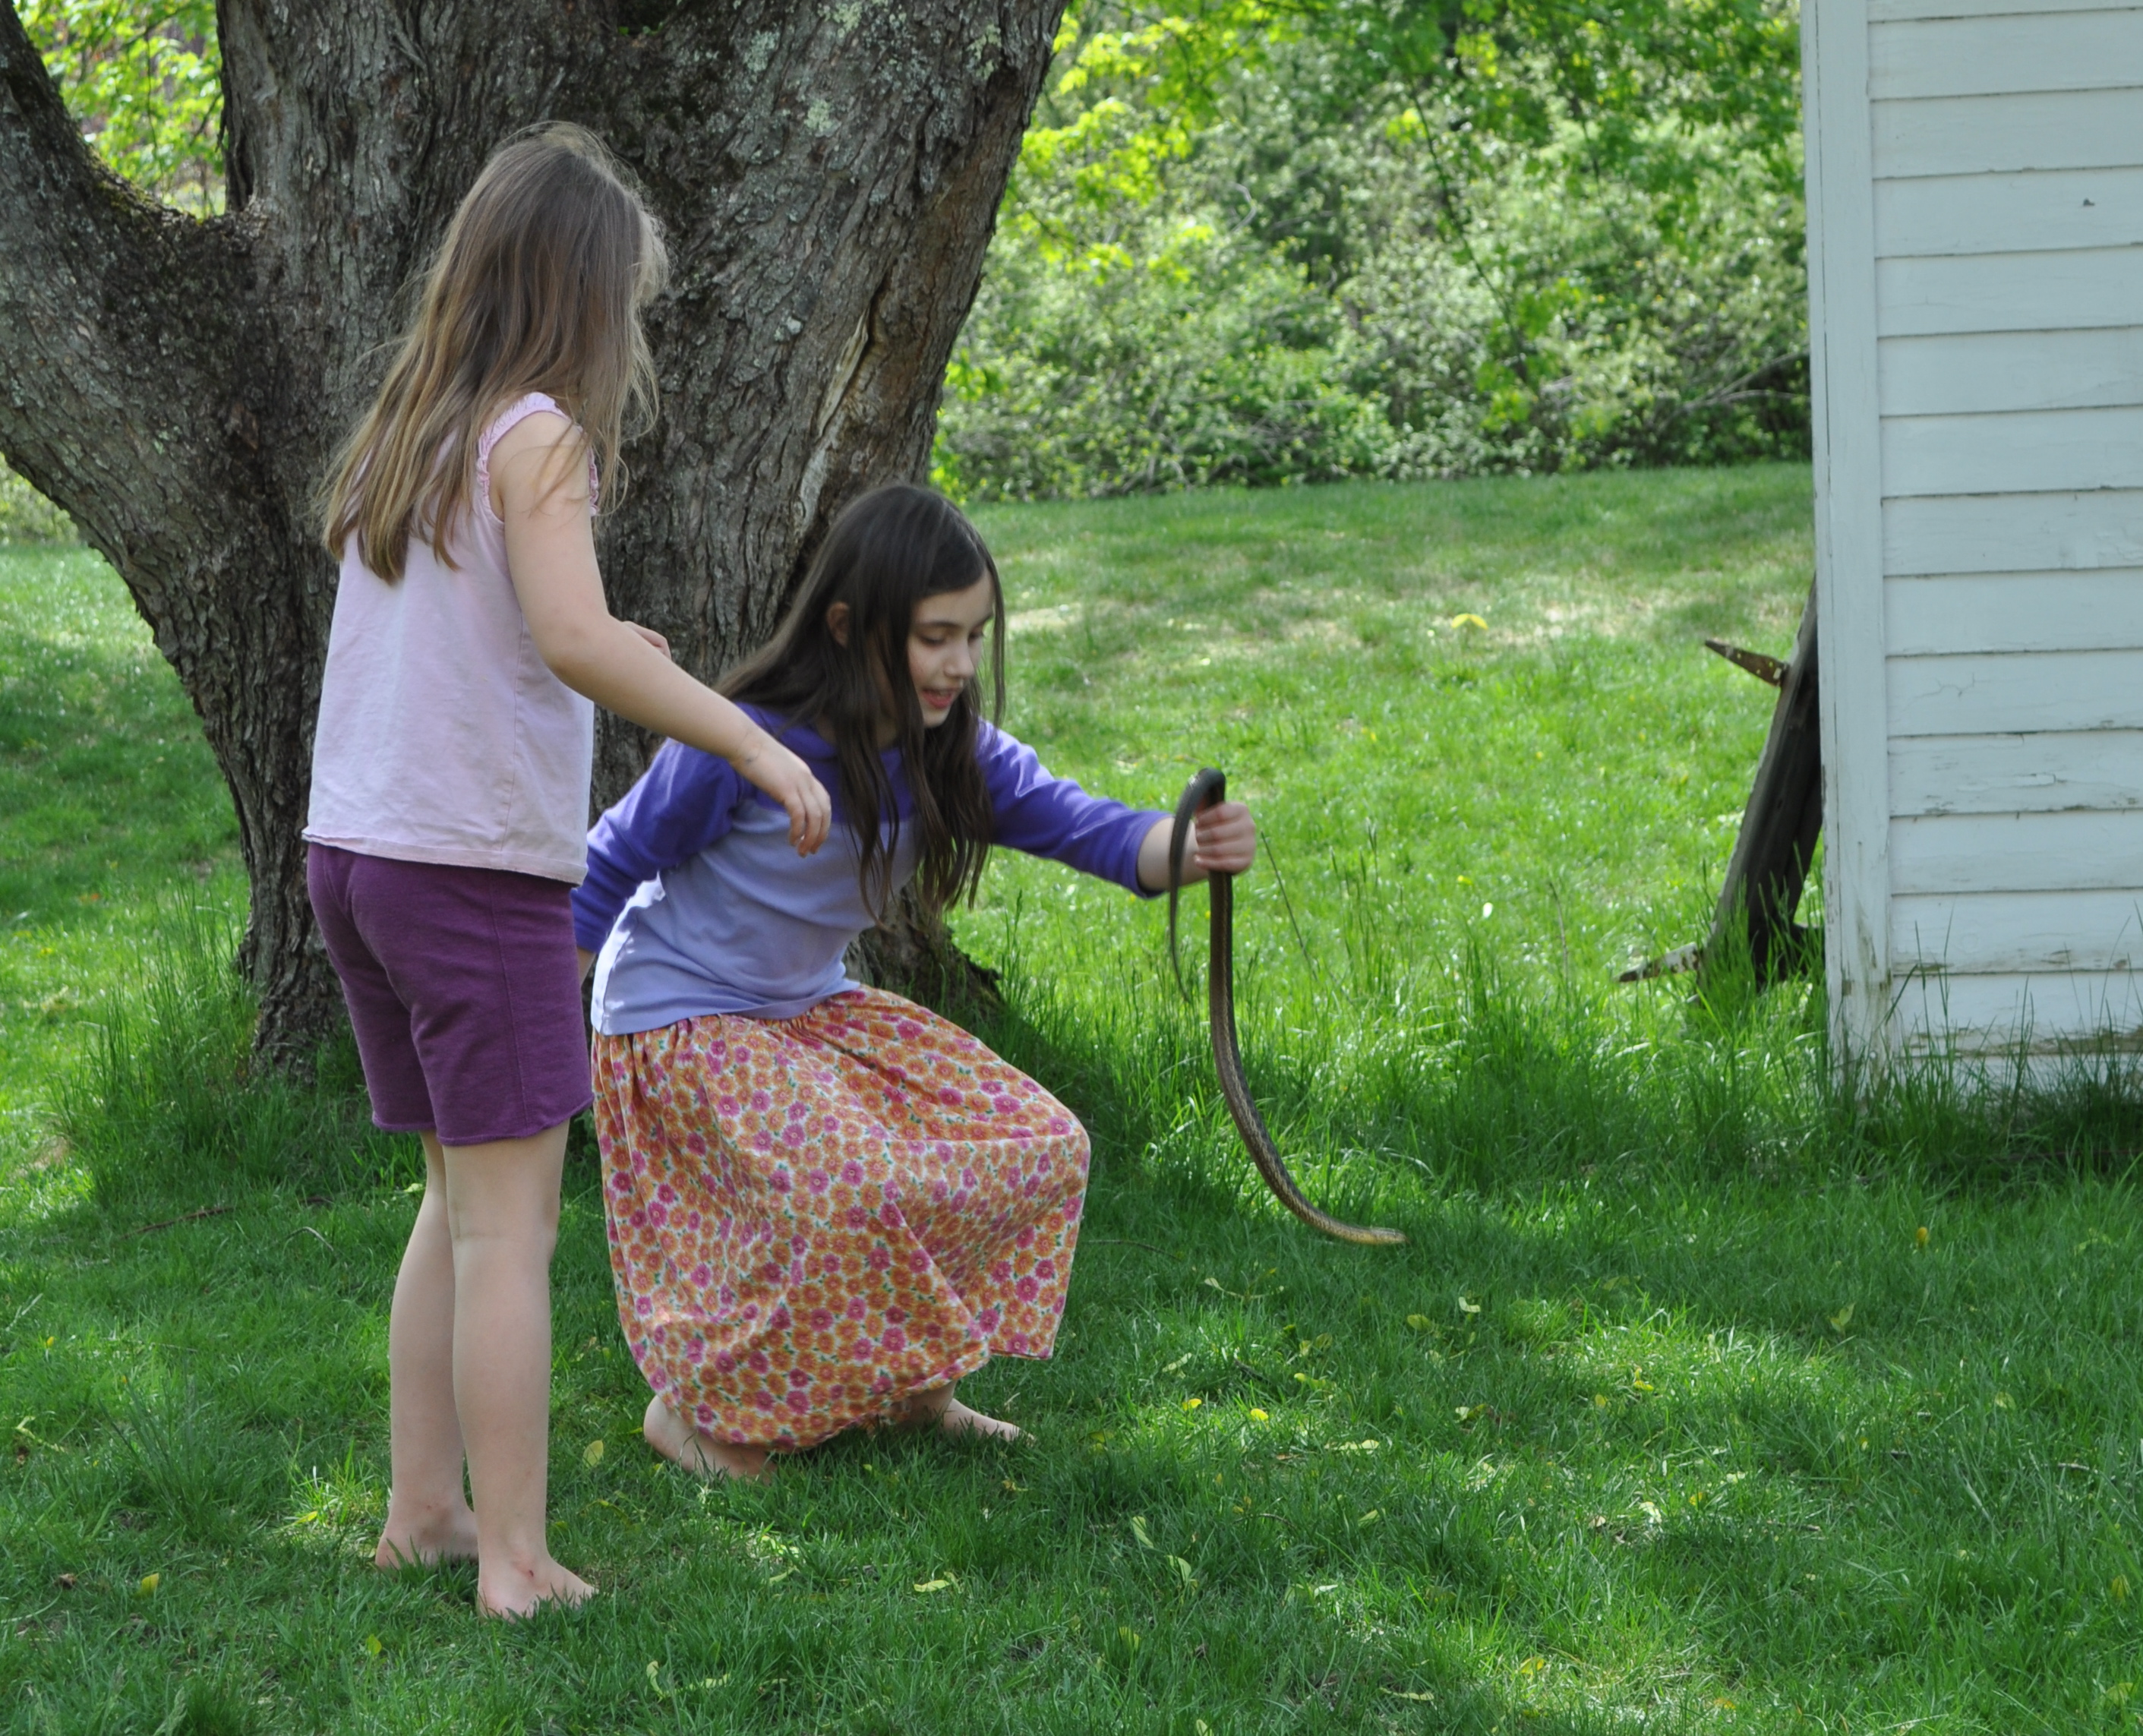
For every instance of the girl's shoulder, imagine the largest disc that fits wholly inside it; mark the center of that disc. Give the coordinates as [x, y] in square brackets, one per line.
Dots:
[994, 741]
[533, 421]
[997, 748]
[514, 425]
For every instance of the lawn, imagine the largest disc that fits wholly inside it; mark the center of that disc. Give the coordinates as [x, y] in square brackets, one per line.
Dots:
[1699, 1400]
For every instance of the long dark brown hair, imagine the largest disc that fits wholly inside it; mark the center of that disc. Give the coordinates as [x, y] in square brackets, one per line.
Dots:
[886, 553]
[538, 288]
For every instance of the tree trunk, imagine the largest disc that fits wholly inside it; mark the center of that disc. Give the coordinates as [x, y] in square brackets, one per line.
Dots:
[826, 177]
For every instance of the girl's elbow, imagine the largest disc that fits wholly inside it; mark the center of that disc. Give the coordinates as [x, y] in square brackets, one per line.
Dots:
[570, 654]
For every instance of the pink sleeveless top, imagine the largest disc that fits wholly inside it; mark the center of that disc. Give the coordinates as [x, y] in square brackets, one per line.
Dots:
[443, 735]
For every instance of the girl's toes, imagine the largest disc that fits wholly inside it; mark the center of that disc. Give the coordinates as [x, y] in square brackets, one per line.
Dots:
[960, 1420]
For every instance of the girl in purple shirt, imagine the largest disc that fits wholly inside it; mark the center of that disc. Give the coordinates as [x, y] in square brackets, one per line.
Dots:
[826, 1205]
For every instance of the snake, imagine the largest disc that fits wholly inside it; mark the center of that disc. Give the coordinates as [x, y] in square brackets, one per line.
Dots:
[1208, 787]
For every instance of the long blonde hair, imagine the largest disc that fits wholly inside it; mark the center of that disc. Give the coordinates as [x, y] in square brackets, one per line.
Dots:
[538, 287]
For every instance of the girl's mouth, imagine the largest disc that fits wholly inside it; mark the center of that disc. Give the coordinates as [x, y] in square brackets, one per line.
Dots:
[937, 699]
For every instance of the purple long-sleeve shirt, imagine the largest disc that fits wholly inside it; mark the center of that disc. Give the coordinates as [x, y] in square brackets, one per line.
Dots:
[695, 904]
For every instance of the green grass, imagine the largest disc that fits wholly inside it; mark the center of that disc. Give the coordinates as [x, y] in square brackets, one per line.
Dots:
[1665, 1418]
[111, 815]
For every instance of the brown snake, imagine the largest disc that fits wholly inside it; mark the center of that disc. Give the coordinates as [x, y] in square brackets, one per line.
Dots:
[1202, 792]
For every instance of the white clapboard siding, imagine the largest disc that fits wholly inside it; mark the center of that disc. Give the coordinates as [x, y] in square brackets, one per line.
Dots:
[1996, 135]
[2009, 933]
[2013, 532]
[2004, 694]
[2042, 1013]
[1951, 615]
[1885, 11]
[2022, 853]
[2028, 213]
[2090, 770]
[1849, 518]
[1984, 158]
[2010, 292]
[2028, 452]
[1999, 56]
[1961, 372]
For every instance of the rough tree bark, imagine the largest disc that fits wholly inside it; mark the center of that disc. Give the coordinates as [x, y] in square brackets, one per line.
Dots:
[828, 176]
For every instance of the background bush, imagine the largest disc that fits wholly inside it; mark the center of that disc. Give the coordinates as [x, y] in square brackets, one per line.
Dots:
[25, 516]
[1257, 246]
[1276, 241]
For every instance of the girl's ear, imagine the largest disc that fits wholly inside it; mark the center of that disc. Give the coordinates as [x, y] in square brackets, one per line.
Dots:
[837, 624]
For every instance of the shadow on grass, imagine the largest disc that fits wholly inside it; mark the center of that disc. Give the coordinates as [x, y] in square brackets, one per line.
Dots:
[1603, 1284]
[170, 1111]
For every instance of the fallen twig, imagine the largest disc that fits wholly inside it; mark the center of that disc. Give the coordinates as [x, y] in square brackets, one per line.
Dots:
[206, 1211]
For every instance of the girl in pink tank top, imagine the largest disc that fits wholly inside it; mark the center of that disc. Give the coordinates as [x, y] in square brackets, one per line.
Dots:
[470, 647]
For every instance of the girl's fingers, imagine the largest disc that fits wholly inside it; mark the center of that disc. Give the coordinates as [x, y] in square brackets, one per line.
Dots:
[790, 781]
[810, 816]
[1227, 838]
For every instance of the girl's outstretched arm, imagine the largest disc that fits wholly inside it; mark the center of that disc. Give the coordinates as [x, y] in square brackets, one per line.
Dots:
[539, 483]
[1223, 841]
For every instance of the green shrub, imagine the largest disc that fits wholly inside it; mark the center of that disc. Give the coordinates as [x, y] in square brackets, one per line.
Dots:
[1292, 260]
[25, 516]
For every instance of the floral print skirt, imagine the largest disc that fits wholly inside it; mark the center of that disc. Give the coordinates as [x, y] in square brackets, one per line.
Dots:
[812, 1219]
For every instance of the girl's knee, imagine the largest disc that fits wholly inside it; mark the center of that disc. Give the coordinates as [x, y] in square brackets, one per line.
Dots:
[531, 1226]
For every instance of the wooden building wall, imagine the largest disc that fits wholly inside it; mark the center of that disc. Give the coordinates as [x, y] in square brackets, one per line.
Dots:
[1976, 229]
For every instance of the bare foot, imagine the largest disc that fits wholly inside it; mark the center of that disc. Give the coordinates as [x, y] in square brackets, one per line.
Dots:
[512, 1592]
[696, 1450]
[937, 1408]
[957, 1419]
[425, 1538]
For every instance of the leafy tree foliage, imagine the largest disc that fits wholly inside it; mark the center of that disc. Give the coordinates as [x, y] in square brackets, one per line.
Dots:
[143, 78]
[1282, 241]
[1278, 242]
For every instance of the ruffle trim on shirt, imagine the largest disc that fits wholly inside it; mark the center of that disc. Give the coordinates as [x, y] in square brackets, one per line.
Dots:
[519, 411]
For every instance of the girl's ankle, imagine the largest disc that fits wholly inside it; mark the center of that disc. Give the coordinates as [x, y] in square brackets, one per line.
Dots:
[694, 1450]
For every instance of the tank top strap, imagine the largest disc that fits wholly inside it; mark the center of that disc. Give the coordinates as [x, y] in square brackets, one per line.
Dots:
[502, 424]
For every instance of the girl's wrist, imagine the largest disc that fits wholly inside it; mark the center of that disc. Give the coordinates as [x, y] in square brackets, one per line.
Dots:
[754, 744]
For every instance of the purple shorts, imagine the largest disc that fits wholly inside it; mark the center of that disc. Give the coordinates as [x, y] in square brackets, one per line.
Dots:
[464, 989]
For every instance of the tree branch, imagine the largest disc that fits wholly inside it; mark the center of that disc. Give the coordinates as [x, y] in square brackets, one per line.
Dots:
[123, 343]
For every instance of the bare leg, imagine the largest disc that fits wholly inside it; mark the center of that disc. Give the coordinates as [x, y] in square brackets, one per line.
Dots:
[427, 1516]
[503, 1214]
[698, 1451]
[937, 1408]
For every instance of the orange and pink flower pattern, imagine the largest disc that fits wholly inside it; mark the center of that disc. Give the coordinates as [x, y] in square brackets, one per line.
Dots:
[812, 1219]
